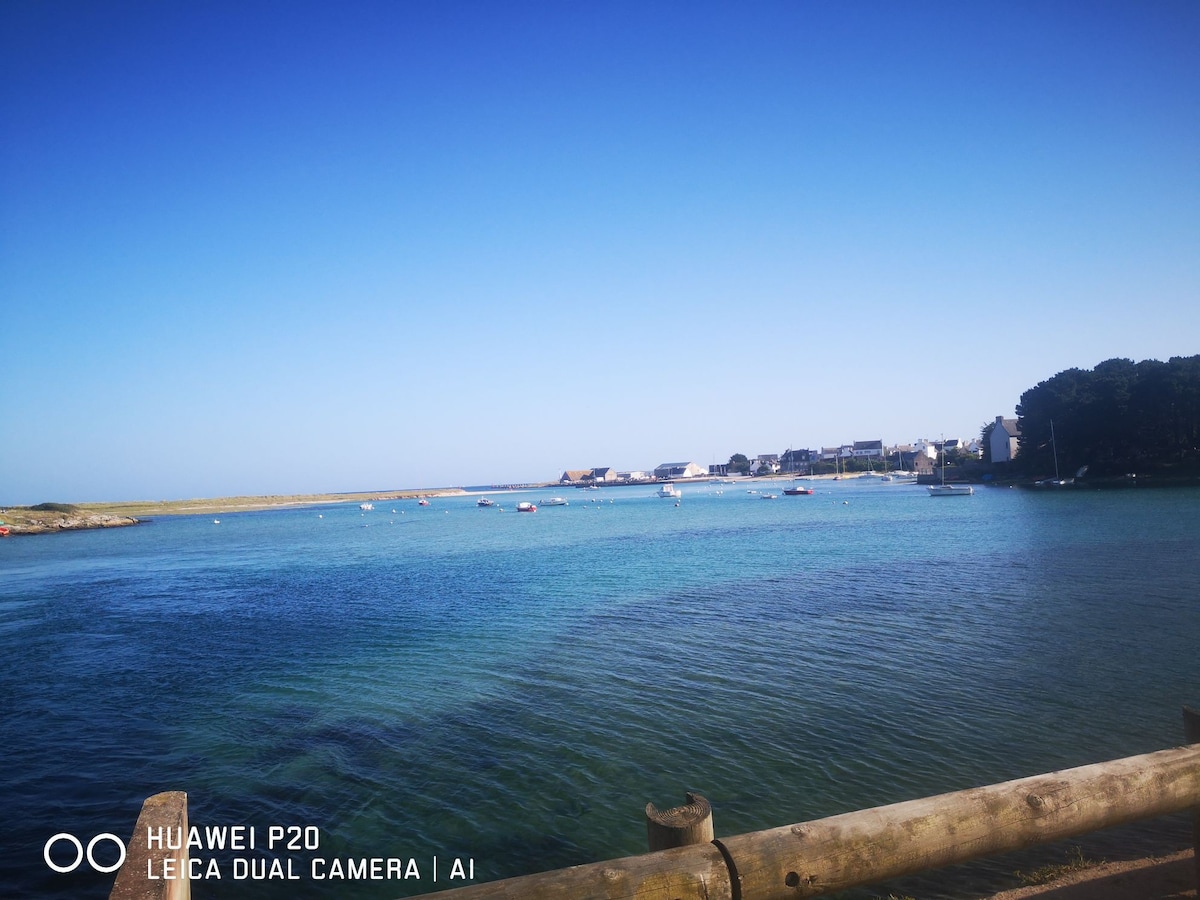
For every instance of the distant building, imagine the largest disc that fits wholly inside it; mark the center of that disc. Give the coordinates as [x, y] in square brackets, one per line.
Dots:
[679, 470]
[765, 462]
[575, 476]
[1003, 440]
[796, 460]
[927, 448]
[867, 449]
[604, 474]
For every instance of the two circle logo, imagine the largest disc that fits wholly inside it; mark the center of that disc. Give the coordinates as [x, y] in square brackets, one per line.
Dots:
[79, 852]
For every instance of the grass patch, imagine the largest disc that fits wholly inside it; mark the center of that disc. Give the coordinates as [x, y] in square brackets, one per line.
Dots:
[1076, 862]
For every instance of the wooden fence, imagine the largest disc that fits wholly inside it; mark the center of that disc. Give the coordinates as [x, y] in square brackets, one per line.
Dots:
[853, 849]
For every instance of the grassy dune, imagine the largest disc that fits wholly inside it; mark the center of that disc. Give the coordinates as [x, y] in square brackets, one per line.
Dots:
[70, 516]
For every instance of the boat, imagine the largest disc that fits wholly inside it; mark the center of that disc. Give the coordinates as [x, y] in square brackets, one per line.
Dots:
[555, 501]
[949, 490]
[526, 506]
[793, 489]
[366, 506]
[1057, 480]
[669, 491]
[422, 502]
[484, 501]
[769, 497]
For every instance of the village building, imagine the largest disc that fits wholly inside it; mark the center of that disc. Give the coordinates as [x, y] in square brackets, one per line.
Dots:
[1003, 440]
[679, 470]
[867, 449]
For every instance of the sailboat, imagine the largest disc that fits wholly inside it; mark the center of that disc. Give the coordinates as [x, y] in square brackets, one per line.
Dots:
[795, 490]
[1057, 481]
[949, 490]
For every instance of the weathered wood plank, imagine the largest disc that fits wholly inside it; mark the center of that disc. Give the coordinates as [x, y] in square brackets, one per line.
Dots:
[164, 811]
[697, 872]
[873, 845]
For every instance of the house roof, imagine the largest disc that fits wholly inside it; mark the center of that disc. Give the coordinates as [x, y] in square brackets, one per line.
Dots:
[1011, 426]
[868, 445]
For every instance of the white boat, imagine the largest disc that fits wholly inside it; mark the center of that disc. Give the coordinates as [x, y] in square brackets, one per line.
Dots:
[526, 506]
[670, 491]
[949, 490]
[366, 506]
[555, 501]
[484, 501]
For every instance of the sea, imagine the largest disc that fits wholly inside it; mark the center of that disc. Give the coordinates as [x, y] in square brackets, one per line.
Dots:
[395, 701]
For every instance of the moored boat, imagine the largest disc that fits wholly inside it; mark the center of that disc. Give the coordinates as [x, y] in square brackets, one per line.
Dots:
[796, 491]
[669, 490]
[484, 501]
[555, 501]
[526, 506]
[949, 490]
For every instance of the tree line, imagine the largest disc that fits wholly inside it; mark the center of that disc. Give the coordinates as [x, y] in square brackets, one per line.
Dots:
[1117, 418]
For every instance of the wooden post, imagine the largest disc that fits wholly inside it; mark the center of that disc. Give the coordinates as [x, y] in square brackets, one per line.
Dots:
[872, 845]
[1191, 734]
[163, 818]
[680, 826]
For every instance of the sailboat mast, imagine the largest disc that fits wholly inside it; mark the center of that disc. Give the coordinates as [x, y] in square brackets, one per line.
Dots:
[1054, 447]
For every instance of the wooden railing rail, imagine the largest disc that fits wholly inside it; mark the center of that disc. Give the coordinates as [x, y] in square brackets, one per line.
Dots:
[808, 859]
[873, 845]
[162, 814]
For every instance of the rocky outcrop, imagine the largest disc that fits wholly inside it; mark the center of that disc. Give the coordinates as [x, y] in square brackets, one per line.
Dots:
[20, 522]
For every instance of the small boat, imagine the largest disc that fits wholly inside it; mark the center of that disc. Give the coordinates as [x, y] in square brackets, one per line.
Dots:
[796, 491]
[669, 490]
[526, 506]
[949, 490]
[484, 501]
[366, 506]
[555, 501]
[770, 497]
[422, 502]
[3, 531]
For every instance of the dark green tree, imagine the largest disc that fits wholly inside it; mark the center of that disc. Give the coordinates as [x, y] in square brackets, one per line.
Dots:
[1119, 417]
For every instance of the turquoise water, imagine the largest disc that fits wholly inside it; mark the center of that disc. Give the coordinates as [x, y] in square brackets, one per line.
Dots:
[512, 689]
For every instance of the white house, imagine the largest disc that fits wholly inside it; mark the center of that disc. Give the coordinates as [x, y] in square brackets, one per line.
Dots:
[1003, 441]
[679, 470]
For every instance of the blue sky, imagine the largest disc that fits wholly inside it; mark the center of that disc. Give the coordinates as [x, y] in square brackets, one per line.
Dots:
[287, 247]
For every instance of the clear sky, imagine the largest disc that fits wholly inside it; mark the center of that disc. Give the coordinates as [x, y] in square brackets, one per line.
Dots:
[284, 247]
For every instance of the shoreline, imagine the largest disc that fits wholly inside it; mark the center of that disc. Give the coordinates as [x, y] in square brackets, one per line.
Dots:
[1169, 877]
